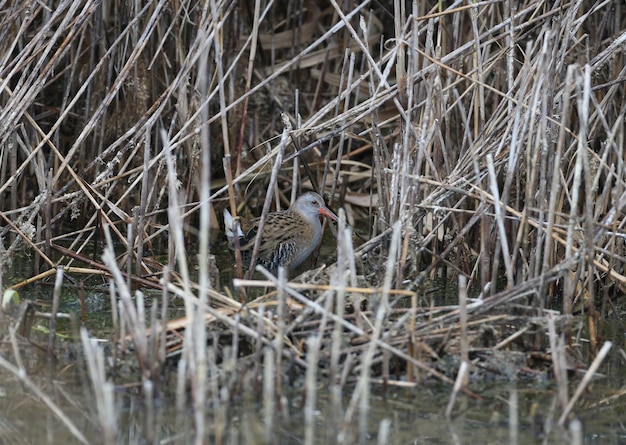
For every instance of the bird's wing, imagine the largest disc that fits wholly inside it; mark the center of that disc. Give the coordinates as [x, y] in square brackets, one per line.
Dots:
[278, 231]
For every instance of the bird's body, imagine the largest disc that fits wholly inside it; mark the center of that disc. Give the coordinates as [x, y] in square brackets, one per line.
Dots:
[289, 236]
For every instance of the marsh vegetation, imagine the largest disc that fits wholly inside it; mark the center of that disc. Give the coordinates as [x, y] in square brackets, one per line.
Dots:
[474, 152]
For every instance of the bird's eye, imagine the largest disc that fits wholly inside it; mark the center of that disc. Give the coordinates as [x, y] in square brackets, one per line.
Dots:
[314, 202]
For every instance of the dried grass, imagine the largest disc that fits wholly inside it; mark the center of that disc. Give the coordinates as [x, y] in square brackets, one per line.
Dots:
[483, 140]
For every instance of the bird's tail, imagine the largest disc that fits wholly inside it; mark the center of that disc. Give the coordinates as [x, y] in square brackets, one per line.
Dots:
[231, 226]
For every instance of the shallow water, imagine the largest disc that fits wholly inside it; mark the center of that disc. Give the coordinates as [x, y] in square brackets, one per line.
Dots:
[522, 412]
[415, 416]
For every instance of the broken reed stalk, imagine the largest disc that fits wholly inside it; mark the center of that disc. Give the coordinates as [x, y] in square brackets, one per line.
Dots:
[576, 431]
[313, 343]
[56, 299]
[139, 240]
[559, 363]
[103, 390]
[463, 334]
[181, 394]
[130, 251]
[461, 378]
[270, 373]
[164, 315]
[582, 385]
[216, 424]
[384, 431]
[499, 217]
[514, 425]
[281, 314]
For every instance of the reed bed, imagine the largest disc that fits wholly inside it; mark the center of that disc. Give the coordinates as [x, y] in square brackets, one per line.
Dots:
[475, 148]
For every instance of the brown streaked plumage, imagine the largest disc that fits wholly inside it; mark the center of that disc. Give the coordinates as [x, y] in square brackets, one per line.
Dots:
[289, 236]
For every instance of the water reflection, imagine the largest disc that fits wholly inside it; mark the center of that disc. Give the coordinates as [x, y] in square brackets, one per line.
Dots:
[520, 412]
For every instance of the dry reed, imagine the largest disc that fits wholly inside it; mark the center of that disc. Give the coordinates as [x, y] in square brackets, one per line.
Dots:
[483, 141]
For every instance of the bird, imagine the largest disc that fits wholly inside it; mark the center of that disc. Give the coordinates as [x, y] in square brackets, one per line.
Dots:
[289, 236]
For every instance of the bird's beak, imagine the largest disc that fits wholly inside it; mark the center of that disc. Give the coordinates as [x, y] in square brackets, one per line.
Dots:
[327, 212]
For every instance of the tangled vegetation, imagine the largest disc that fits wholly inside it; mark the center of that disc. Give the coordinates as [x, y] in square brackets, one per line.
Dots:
[476, 143]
